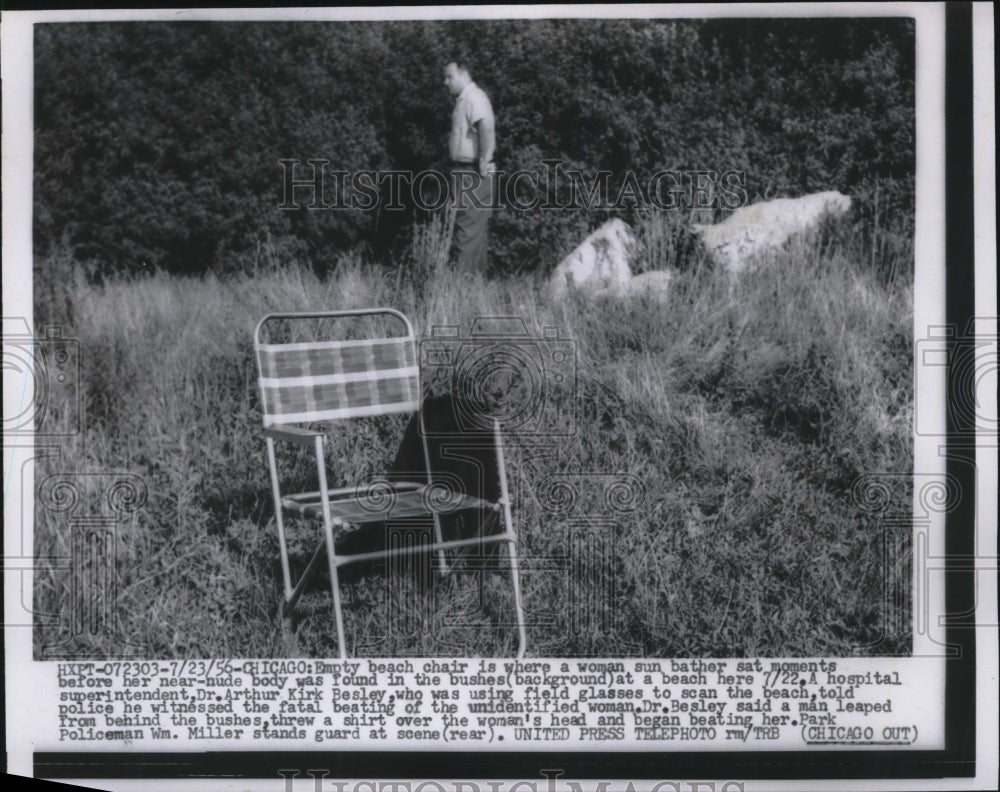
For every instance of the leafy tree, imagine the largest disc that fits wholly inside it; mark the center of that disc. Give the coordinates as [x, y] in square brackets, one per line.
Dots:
[158, 144]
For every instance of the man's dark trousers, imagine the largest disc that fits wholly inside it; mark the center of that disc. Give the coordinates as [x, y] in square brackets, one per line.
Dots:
[472, 197]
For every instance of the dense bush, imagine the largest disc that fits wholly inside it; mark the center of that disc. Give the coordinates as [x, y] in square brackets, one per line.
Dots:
[158, 144]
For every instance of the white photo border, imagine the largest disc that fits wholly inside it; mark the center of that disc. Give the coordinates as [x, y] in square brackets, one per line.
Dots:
[967, 563]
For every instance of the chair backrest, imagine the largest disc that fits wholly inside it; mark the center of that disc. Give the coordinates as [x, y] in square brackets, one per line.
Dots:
[335, 378]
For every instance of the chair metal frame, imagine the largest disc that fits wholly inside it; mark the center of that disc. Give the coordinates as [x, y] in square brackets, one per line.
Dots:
[339, 509]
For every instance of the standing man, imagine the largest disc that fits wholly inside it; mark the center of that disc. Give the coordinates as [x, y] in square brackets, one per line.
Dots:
[470, 150]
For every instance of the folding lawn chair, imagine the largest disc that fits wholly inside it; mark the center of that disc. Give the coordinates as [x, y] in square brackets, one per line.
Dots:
[310, 374]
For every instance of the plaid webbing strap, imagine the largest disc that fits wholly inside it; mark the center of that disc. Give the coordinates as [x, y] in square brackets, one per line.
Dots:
[329, 380]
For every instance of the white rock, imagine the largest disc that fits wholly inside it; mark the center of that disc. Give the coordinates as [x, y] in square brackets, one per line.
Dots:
[763, 226]
[654, 285]
[600, 265]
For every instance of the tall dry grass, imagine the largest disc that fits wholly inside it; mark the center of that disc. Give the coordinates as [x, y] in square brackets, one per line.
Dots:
[700, 503]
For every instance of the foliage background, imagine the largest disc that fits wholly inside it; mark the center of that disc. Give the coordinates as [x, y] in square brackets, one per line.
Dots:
[157, 145]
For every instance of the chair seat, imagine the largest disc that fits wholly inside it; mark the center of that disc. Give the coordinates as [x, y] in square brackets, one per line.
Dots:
[382, 505]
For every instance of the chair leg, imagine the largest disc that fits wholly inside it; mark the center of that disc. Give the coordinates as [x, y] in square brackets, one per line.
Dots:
[512, 542]
[331, 551]
[443, 567]
[276, 493]
[291, 599]
[335, 590]
[438, 536]
[286, 618]
[518, 605]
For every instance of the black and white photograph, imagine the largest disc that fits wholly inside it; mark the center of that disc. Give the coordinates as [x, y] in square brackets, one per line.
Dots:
[690, 310]
[447, 347]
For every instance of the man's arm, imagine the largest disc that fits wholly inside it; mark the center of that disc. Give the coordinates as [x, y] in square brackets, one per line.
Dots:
[487, 143]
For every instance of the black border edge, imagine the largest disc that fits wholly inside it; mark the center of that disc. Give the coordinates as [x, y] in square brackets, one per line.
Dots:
[960, 449]
[523, 765]
[957, 760]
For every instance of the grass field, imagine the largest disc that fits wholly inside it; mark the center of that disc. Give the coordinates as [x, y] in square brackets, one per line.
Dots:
[718, 441]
